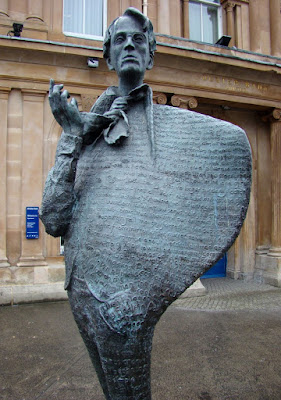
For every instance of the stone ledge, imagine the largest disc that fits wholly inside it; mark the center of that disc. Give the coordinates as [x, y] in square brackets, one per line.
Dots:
[18, 294]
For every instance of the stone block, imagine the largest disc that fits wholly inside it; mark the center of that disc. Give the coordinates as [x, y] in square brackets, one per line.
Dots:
[268, 270]
[5, 275]
[38, 293]
[24, 275]
[40, 275]
[56, 274]
[6, 295]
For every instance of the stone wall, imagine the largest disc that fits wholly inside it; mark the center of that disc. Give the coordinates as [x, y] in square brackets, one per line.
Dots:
[232, 84]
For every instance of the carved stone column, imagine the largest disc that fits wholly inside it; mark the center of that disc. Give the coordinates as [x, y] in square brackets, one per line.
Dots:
[4, 94]
[4, 8]
[238, 27]
[229, 6]
[32, 173]
[185, 102]
[275, 27]
[275, 139]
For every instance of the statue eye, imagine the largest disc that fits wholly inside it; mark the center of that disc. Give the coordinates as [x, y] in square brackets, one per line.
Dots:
[119, 39]
[139, 38]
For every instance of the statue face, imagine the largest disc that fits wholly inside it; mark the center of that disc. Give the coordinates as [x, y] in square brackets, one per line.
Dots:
[129, 48]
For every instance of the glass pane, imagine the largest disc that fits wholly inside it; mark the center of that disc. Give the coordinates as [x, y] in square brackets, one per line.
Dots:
[94, 17]
[194, 21]
[73, 16]
[210, 24]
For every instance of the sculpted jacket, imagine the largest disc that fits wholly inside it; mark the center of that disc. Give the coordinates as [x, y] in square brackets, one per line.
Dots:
[145, 216]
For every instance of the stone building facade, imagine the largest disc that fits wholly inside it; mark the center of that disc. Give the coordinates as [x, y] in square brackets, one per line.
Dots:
[240, 83]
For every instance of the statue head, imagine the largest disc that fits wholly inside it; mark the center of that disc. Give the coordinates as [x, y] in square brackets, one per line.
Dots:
[129, 44]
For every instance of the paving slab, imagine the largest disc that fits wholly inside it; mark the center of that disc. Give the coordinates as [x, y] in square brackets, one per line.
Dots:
[216, 352]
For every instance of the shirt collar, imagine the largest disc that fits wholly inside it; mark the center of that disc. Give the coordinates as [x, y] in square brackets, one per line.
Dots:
[141, 91]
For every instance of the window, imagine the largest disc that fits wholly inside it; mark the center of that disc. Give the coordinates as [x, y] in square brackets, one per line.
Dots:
[84, 18]
[204, 20]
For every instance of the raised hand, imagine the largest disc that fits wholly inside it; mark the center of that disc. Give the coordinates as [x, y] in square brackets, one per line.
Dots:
[66, 113]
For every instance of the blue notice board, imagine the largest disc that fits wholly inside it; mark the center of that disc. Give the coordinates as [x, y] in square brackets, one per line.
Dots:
[32, 222]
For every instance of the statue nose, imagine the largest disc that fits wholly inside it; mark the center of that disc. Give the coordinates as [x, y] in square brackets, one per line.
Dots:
[129, 42]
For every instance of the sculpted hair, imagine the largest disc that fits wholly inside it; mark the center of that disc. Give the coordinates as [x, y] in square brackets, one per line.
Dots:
[142, 19]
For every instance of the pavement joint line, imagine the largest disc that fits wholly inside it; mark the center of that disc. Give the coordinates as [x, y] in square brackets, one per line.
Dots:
[60, 372]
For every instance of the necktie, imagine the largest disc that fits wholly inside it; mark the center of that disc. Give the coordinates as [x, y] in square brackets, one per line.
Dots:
[119, 129]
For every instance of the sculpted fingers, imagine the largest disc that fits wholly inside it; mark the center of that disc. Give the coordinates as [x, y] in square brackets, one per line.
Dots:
[65, 94]
[66, 113]
[74, 102]
[51, 87]
[119, 104]
[55, 97]
[54, 90]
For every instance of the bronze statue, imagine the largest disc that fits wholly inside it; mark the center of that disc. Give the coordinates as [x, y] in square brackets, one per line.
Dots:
[147, 197]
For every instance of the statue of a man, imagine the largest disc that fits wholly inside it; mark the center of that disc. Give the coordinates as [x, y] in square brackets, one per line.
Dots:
[147, 197]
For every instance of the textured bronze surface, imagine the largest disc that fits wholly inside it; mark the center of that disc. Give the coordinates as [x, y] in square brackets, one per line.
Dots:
[148, 197]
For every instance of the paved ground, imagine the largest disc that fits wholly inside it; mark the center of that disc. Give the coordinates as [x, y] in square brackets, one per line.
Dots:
[222, 346]
[224, 294]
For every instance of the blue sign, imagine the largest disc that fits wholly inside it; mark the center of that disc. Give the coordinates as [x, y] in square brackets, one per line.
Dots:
[32, 222]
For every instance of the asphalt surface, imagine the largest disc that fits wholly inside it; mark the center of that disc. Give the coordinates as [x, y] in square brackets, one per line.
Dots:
[222, 346]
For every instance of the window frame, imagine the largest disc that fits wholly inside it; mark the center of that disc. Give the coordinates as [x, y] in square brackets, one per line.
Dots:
[219, 8]
[85, 35]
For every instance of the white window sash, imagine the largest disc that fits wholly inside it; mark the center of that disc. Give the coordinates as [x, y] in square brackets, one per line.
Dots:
[209, 3]
[219, 16]
[84, 35]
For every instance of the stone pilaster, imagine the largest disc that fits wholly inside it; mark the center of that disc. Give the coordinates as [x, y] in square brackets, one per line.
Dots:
[235, 21]
[275, 27]
[163, 17]
[32, 173]
[4, 8]
[255, 31]
[268, 261]
[275, 139]
[238, 27]
[264, 201]
[35, 10]
[152, 13]
[229, 9]
[185, 10]
[4, 94]
[14, 153]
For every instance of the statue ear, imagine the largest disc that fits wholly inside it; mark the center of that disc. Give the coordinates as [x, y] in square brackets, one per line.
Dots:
[151, 61]
[110, 66]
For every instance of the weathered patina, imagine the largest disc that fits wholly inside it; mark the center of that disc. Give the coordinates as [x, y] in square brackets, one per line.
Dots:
[147, 197]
